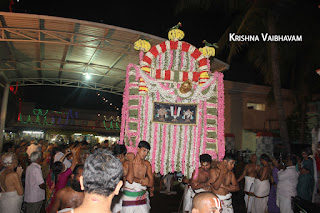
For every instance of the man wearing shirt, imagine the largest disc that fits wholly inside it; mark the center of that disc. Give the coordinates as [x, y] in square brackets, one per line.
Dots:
[34, 184]
[287, 185]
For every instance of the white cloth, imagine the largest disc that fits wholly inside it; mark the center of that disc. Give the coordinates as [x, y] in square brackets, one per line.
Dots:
[137, 208]
[261, 192]
[116, 204]
[10, 202]
[58, 156]
[66, 210]
[226, 203]
[249, 188]
[187, 198]
[288, 180]
[33, 193]
[284, 204]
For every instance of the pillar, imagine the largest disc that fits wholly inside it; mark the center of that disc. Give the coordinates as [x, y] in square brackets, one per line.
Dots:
[3, 113]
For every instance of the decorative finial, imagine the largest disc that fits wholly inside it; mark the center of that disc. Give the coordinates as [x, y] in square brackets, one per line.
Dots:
[142, 45]
[176, 26]
[209, 49]
[209, 44]
[175, 34]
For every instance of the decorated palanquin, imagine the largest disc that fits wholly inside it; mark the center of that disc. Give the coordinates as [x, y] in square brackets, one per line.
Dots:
[173, 101]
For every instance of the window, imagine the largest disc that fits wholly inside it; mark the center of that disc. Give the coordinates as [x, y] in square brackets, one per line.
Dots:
[255, 106]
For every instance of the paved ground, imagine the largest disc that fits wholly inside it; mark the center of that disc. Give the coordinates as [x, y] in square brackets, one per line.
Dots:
[162, 203]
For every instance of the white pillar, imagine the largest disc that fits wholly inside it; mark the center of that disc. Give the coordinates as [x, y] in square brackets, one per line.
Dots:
[3, 113]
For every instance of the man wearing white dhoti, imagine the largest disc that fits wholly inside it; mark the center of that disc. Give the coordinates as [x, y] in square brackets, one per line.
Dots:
[249, 174]
[287, 185]
[11, 190]
[198, 184]
[135, 198]
[262, 186]
[223, 181]
[138, 177]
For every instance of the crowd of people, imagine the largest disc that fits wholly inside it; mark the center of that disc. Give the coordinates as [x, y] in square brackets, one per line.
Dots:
[40, 177]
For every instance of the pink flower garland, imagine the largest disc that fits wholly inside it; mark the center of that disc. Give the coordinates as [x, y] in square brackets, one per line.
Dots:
[139, 121]
[154, 147]
[198, 138]
[174, 146]
[184, 149]
[204, 126]
[163, 149]
[146, 118]
[125, 104]
[220, 135]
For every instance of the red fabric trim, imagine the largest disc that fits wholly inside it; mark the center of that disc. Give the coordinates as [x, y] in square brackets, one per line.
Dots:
[173, 45]
[185, 76]
[147, 59]
[203, 62]
[163, 46]
[196, 53]
[267, 134]
[154, 51]
[158, 74]
[196, 76]
[134, 202]
[167, 75]
[229, 135]
[185, 46]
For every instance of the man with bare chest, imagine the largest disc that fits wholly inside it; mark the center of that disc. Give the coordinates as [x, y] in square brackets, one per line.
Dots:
[262, 186]
[223, 181]
[138, 177]
[250, 173]
[199, 183]
[70, 197]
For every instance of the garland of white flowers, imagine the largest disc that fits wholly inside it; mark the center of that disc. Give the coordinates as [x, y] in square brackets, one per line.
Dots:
[169, 94]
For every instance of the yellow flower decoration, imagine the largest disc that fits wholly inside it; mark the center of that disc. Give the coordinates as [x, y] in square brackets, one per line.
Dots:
[207, 51]
[176, 34]
[143, 45]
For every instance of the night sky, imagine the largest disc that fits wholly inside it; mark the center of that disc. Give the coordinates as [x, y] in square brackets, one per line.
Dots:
[153, 17]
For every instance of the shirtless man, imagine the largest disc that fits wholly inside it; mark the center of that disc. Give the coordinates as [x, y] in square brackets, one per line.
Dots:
[138, 177]
[223, 181]
[119, 152]
[11, 189]
[250, 173]
[198, 184]
[205, 202]
[201, 182]
[262, 186]
[72, 196]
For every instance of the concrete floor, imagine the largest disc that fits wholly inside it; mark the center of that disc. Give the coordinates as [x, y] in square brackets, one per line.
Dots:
[162, 203]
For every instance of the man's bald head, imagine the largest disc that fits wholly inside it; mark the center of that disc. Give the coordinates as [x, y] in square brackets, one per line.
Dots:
[206, 202]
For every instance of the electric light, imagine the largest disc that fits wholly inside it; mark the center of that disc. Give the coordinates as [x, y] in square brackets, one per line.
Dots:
[32, 132]
[87, 76]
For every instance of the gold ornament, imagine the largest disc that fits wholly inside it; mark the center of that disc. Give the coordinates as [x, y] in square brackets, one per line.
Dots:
[185, 86]
[142, 45]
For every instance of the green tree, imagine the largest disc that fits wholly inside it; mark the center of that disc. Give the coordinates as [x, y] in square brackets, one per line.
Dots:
[273, 17]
